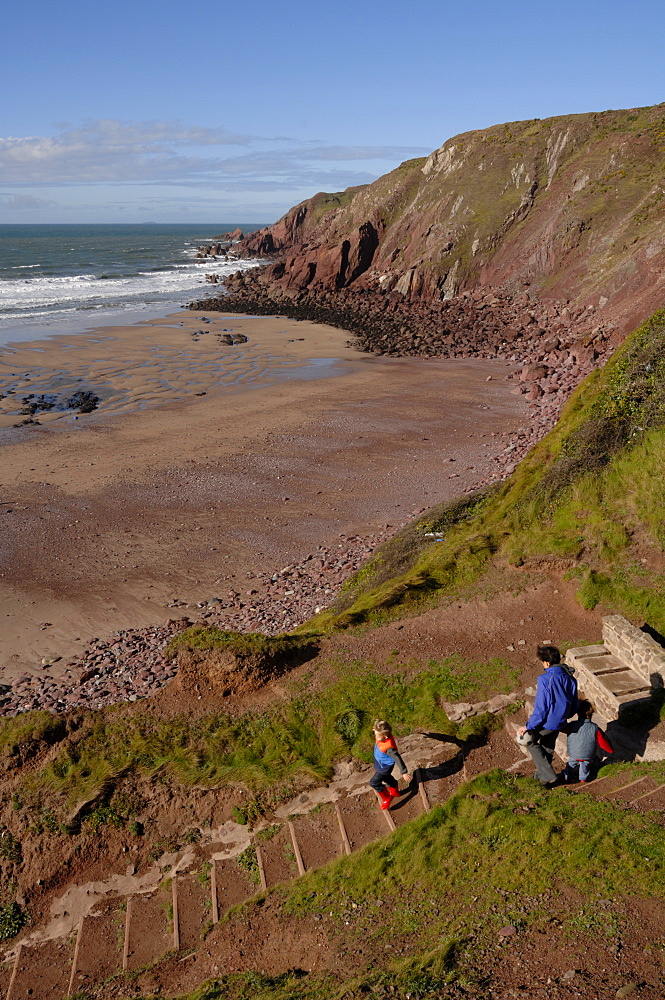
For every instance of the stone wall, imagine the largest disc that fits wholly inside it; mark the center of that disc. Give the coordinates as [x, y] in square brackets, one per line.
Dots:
[635, 648]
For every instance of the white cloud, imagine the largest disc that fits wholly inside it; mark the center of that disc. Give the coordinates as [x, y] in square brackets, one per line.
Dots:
[178, 169]
[20, 202]
[112, 151]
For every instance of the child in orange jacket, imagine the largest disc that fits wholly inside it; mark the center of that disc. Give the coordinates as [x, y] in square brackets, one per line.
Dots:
[385, 758]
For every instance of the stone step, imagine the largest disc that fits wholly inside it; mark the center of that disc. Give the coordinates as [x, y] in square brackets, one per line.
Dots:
[149, 928]
[638, 648]
[99, 945]
[597, 649]
[42, 971]
[605, 679]
[619, 681]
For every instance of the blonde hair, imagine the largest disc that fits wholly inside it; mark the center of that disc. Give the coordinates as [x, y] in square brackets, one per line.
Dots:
[383, 727]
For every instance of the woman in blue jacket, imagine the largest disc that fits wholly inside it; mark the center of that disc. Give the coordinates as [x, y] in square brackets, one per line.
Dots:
[556, 701]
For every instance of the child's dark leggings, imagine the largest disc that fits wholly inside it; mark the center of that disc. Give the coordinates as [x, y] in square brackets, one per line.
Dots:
[381, 778]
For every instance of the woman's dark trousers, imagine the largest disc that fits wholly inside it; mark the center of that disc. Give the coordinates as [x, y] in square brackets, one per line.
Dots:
[542, 752]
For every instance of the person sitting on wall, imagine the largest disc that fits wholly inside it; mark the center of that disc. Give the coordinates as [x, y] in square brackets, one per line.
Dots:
[556, 701]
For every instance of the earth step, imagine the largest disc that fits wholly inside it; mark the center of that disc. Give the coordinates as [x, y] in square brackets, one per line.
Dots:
[603, 787]
[631, 791]
[5, 976]
[261, 866]
[422, 790]
[342, 830]
[194, 907]
[319, 837]
[230, 885]
[441, 780]
[99, 945]
[148, 928]
[362, 818]
[42, 971]
[598, 783]
[503, 748]
[296, 848]
[654, 799]
[390, 822]
[408, 806]
[277, 855]
[175, 915]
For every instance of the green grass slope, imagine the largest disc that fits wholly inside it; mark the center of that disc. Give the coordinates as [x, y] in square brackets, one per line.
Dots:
[269, 753]
[592, 492]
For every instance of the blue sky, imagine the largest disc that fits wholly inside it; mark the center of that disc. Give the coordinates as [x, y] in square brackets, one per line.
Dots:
[173, 112]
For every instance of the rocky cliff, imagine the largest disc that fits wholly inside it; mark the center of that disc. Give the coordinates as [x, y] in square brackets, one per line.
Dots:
[570, 209]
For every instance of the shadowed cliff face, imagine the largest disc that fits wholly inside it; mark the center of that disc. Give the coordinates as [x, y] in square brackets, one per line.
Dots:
[570, 208]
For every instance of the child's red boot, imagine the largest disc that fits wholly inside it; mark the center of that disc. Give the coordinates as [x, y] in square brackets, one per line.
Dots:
[393, 792]
[385, 800]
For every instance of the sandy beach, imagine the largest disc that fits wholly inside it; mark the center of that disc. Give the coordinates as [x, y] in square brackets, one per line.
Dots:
[159, 361]
[205, 462]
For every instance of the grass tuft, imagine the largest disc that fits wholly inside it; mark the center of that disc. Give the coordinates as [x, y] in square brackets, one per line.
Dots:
[205, 638]
[12, 919]
[28, 732]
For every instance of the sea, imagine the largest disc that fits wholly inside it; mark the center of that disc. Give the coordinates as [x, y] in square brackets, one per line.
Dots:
[70, 278]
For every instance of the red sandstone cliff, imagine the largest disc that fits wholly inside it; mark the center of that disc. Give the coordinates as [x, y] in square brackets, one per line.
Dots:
[570, 207]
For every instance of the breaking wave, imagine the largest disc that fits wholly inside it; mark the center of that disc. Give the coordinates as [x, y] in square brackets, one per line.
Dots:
[109, 271]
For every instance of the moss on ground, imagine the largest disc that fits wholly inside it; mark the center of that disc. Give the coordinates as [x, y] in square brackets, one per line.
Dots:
[19, 734]
[501, 852]
[206, 638]
[323, 203]
[592, 492]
